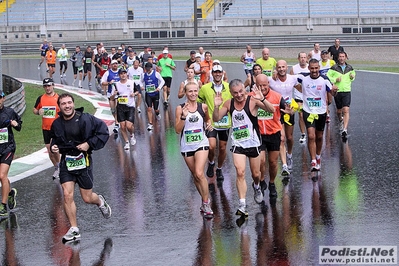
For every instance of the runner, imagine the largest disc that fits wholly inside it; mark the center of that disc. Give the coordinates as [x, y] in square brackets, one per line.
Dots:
[62, 56]
[300, 68]
[248, 59]
[342, 75]
[245, 136]
[270, 129]
[221, 127]
[87, 63]
[108, 80]
[51, 58]
[77, 64]
[251, 80]
[315, 89]
[190, 78]
[43, 49]
[134, 73]
[267, 62]
[124, 93]
[47, 107]
[166, 65]
[75, 135]
[191, 121]
[152, 84]
[285, 85]
[9, 119]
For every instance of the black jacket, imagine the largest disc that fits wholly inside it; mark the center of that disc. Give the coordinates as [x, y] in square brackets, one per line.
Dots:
[93, 131]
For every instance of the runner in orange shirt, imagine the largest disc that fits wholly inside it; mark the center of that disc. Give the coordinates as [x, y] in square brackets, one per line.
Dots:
[51, 57]
[46, 106]
[205, 66]
[270, 130]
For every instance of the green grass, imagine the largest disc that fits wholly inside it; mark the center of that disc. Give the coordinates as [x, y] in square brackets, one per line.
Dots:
[30, 138]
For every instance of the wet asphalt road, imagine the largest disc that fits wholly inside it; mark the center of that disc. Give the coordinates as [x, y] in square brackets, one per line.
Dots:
[155, 206]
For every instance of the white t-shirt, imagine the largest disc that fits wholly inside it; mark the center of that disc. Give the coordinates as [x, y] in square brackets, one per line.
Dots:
[314, 93]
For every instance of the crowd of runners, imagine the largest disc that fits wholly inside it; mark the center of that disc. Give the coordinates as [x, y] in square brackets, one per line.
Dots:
[257, 114]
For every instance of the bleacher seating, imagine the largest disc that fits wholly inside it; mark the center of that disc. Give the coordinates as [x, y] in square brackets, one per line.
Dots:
[32, 12]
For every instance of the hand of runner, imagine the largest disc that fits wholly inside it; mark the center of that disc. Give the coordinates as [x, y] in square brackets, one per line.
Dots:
[41, 111]
[184, 110]
[218, 99]
[257, 93]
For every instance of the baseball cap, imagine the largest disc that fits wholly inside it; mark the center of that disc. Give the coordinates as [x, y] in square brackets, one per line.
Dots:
[148, 65]
[197, 55]
[216, 61]
[48, 81]
[119, 48]
[2, 94]
[122, 70]
[217, 68]
[114, 62]
[324, 52]
[165, 52]
[192, 52]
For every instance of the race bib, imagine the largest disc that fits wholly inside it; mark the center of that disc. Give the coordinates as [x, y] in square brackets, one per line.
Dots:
[150, 88]
[105, 67]
[193, 136]
[3, 135]
[49, 111]
[88, 60]
[241, 133]
[197, 77]
[136, 77]
[80, 68]
[263, 115]
[123, 99]
[314, 102]
[223, 122]
[267, 72]
[75, 162]
[249, 65]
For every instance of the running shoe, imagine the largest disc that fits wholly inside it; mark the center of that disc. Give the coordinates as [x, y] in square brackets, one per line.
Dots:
[89, 84]
[328, 119]
[138, 110]
[71, 235]
[210, 170]
[263, 186]
[116, 128]
[318, 161]
[344, 133]
[56, 173]
[105, 209]
[242, 210]
[158, 117]
[206, 210]
[38, 66]
[132, 140]
[258, 195]
[285, 171]
[302, 139]
[12, 202]
[314, 167]
[80, 87]
[341, 125]
[3, 210]
[126, 147]
[290, 162]
[219, 175]
[272, 190]
[150, 127]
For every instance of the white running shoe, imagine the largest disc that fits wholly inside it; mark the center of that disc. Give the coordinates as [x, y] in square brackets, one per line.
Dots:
[302, 139]
[150, 127]
[158, 117]
[71, 235]
[126, 147]
[132, 140]
[138, 110]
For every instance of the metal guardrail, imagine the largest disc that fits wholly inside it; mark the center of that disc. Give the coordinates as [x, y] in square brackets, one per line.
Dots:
[291, 41]
[15, 94]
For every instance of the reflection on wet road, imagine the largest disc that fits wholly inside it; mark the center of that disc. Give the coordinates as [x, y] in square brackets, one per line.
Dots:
[156, 218]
